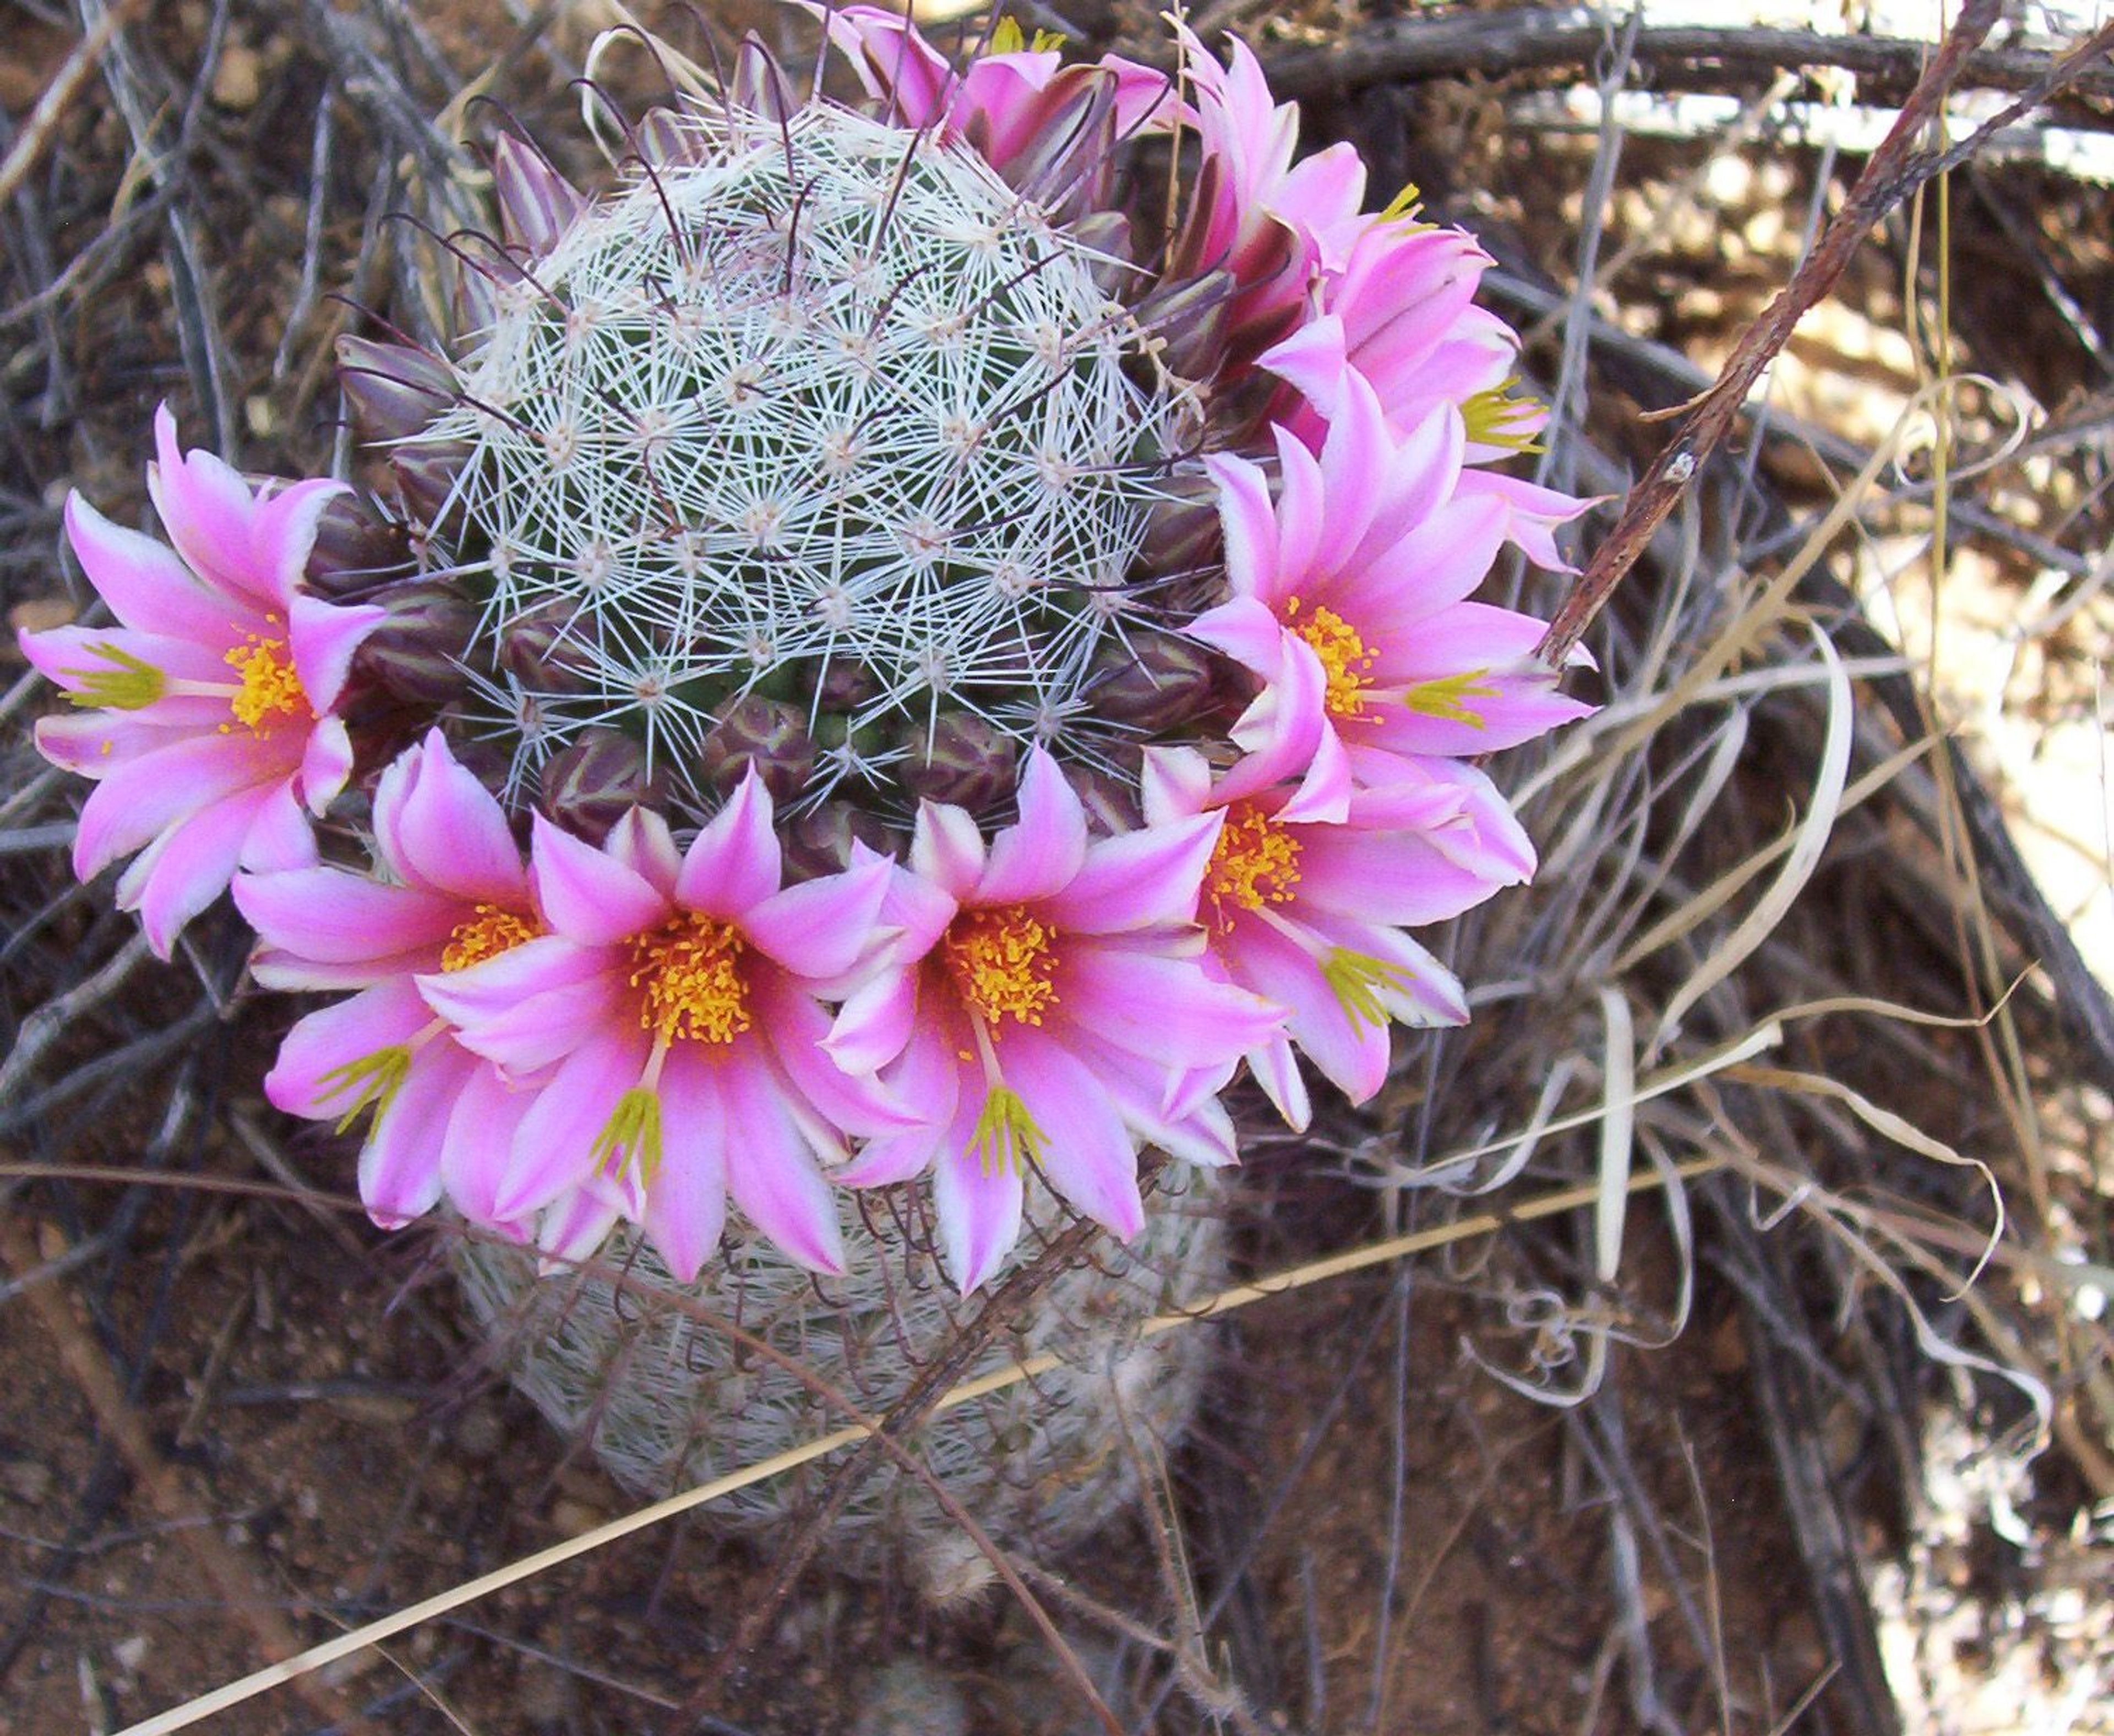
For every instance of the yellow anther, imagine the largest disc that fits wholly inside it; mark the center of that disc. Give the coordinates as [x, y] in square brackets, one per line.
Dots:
[1001, 963]
[1255, 862]
[1446, 696]
[1345, 658]
[487, 934]
[692, 982]
[270, 687]
[1402, 207]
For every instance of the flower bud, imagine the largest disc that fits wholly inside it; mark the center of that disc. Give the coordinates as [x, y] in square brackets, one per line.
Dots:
[594, 781]
[1110, 801]
[845, 684]
[546, 650]
[392, 390]
[356, 547]
[416, 655]
[425, 475]
[767, 733]
[820, 841]
[536, 203]
[1158, 682]
[962, 759]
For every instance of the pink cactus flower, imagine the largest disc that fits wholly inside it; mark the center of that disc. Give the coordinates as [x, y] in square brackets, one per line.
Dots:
[206, 713]
[1005, 101]
[1311, 914]
[1397, 309]
[458, 894]
[1045, 1009]
[1258, 214]
[675, 1003]
[1349, 599]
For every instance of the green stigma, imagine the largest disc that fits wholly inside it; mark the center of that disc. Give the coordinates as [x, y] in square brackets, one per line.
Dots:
[1493, 417]
[1445, 696]
[1404, 207]
[130, 684]
[632, 1134]
[1358, 980]
[374, 1080]
[1006, 38]
[1006, 1137]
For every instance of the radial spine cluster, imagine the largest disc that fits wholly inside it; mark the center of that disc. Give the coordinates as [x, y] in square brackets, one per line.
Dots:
[795, 400]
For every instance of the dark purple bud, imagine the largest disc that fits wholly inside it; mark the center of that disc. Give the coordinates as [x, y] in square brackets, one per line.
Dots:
[548, 650]
[1187, 317]
[536, 203]
[426, 473]
[356, 547]
[767, 733]
[392, 390]
[844, 685]
[1155, 682]
[962, 759]
[1110, 801]
[594, 781]
[416, 655]
[820, 841]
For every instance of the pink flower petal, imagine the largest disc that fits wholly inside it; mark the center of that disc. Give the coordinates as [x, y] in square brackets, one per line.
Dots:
[553, 1146]
[1145, 879]
[399, 1165]
[525, 1007]
[477, 1146]
[280, 838]
[438, 827]
[338, 1036]
[146, 796]
[772, 1174]
[1351, 1054]
[734, 862]
[1085, 1152]
[326, 763]
[796, 1028]
[875, 1022]
[586, 894]
[187, 867]
[331, 916]
[145, 585]
[1039, 853]
[324, 635]
[819, 928]
[947, 850]
[1164, 1008]
[206, 509]
[978, 1208]
[686, 1200]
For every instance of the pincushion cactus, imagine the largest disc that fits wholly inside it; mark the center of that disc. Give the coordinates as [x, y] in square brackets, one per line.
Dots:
[969, 678]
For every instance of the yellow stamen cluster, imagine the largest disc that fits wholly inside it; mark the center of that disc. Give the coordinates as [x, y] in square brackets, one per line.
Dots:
[1345, 658]
[490, 931]
[1000, 963]
[270, 688]
[1255, 862]
[691, 981]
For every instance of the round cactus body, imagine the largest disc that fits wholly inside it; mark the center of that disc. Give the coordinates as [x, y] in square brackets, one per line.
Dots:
[668, 1401]
[802, 417]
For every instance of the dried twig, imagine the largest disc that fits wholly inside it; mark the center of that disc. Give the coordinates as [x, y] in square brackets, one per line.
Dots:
[1493, 43]
[1896, 171]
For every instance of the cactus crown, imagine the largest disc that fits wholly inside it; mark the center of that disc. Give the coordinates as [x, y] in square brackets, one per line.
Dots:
[809, 399]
